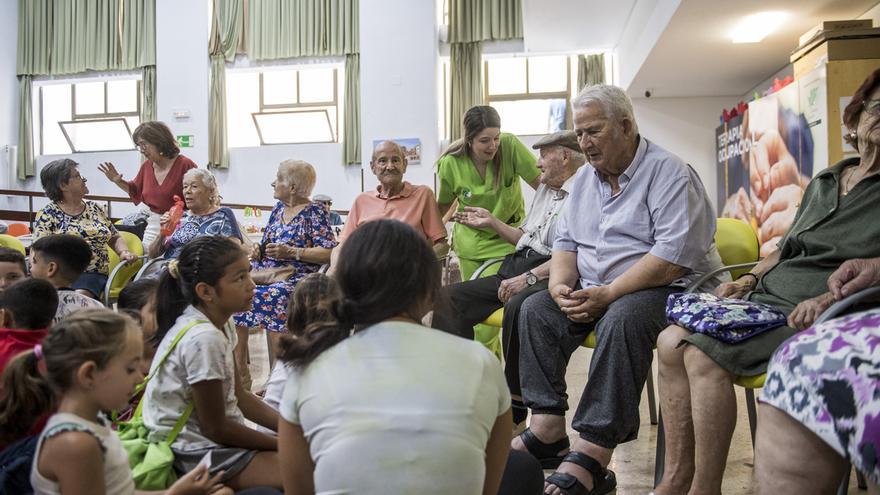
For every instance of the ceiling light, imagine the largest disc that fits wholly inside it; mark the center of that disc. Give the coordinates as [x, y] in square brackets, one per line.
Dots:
[756, 27]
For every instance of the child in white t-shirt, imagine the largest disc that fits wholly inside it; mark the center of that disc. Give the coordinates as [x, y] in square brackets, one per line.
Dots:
[202, 289]
[61, 259]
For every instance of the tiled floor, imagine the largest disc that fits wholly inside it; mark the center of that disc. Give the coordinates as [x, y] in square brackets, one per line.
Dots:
[633, 462]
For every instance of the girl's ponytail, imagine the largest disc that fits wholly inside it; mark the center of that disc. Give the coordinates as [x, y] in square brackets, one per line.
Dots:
[25, 396]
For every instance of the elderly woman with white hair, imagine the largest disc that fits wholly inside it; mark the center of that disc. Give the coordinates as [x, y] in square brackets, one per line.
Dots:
[297, 241]
[205, 216]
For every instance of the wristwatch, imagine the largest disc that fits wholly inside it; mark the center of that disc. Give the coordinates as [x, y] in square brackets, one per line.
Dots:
[531, 278]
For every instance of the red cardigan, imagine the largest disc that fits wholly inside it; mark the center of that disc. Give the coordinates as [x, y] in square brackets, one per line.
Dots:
[159, 197]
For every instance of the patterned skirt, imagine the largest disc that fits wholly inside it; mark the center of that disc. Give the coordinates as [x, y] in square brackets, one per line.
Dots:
[828, 379]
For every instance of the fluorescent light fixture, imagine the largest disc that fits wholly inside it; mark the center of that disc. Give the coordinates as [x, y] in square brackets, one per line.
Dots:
[756, 27]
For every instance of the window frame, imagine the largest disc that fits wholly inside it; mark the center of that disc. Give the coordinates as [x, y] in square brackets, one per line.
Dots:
[564, 95]
[81, 118]
[298, 106]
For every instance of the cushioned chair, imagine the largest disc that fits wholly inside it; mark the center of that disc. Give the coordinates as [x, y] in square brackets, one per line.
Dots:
[122, 273]
[9, 241]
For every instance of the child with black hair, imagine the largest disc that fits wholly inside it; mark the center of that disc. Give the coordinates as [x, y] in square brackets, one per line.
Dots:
[89, 364]
[26, 309]
[201, 290]
[12, 267]
[61, 259]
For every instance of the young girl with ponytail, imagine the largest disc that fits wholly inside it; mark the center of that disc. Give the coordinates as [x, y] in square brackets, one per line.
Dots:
[202, 289]
[88, 363]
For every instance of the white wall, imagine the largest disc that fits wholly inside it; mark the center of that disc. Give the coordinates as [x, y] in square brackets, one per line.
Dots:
[8, 86]
[686, 127]
[399, 90]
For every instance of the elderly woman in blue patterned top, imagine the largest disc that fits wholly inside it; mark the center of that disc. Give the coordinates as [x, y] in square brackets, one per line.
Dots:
[205, 216]
[69, 213]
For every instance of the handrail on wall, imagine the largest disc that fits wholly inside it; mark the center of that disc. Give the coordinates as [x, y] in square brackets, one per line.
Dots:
[109, 200]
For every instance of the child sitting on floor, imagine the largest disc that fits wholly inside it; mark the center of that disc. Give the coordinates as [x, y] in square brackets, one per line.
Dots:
[61, 259]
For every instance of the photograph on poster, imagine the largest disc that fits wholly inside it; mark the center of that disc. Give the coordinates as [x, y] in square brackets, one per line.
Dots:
[412, 148]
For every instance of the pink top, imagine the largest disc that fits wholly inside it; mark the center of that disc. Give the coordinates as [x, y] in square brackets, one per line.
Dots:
[415, 206]
[159, 197]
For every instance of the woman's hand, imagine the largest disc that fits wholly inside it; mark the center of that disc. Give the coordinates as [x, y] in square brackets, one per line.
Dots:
[110, 171]
[198, 482]
[806, 312]
[127, 255]
[279, 251]
[736, 289]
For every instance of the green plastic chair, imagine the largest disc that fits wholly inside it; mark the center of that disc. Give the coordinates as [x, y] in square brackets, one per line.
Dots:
[12, 242]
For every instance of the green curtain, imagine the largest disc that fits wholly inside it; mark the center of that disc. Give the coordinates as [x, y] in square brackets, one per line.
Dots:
[226, 33]
[591, 70]
[57, 37]
[484, 20]
[466, 83]
[138, 36]
[26, 166]
[307, 28]
[351, 142]
[148, 94]
[470, 23]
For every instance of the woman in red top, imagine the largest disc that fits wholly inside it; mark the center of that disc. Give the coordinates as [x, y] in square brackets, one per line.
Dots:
[160, 177]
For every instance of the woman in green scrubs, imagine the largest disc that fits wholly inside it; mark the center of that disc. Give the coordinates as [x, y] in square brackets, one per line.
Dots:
[482, 170]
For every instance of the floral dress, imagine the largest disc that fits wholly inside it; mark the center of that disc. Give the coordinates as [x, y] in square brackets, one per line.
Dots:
[828, 379]
[309, 228]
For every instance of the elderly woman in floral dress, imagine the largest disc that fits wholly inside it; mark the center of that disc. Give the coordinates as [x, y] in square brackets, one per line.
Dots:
[298, 236]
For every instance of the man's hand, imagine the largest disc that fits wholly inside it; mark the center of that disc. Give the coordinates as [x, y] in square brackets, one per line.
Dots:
[806, 312]
[736, 289]
[511, 287]
[476, 217]
[573, 308]
[778, 214]
[853, 276]
[598, 299]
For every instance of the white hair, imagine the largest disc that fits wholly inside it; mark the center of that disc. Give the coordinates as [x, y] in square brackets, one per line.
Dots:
[208, 180]
[299, 172]
[615, 102]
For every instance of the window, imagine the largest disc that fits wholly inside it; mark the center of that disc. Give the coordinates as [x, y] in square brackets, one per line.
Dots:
[531, 94]
[283, 106]
[78, 117]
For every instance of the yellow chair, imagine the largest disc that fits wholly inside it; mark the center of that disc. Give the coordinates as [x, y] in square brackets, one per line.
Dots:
[122, 273]
[12, 243]
[488, 332]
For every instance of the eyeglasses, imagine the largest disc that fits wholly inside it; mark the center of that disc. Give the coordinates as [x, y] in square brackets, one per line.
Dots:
[872, 106]
[142, 146]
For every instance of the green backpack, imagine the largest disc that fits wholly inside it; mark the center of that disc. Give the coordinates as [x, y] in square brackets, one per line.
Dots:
[152, 462]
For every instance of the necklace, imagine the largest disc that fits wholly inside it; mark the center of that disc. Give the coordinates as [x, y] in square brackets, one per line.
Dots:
[846, 185]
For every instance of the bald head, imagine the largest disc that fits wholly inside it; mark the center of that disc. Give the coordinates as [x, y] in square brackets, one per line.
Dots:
[387, 147]
[389, 164]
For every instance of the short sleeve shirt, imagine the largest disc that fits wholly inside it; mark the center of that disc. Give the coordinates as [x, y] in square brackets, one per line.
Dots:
[92, 224]
[204, 353]
[420, 401]
[460, 180]
[159, 197]
[70, 301]
[414, 206]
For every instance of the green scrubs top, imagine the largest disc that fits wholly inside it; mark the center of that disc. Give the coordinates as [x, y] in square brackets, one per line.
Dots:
[460, 180]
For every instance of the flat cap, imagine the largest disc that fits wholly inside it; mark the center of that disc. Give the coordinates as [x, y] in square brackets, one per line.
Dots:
[567, 139]
[323, 198]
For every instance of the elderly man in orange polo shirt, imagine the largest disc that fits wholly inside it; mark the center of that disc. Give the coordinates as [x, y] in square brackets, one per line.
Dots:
[396, 199]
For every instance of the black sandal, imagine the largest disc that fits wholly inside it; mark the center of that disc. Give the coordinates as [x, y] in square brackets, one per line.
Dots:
[546, 453]
[603, 479]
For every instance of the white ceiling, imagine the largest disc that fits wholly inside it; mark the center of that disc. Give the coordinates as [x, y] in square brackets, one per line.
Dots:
[569, 25]
[695, 57]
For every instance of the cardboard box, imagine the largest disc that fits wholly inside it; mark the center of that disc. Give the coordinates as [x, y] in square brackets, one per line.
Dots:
[834, 26]
[830, 46]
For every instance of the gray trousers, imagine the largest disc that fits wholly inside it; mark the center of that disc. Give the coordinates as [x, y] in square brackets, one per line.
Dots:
[608, 413]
